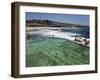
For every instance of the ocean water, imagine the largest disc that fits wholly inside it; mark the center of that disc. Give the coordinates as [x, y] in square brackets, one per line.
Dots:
[65, 33]
[83, 32]
[53, 47]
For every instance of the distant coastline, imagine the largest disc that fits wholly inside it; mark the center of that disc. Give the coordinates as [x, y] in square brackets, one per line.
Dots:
[49, 23]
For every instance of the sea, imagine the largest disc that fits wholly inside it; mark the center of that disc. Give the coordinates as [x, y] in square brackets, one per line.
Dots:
[66, 33]
[83, 32]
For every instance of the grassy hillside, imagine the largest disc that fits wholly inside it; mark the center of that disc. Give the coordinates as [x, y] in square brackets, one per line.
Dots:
[55, 51]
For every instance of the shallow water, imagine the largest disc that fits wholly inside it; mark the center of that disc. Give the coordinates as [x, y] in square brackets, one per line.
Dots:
[55, 51]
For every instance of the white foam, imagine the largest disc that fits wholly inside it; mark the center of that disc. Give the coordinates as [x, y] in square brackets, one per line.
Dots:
[47, 31]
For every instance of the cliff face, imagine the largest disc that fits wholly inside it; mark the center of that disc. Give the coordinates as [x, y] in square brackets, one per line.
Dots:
[48, 23]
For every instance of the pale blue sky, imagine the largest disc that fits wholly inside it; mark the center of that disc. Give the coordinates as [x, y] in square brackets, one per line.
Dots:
[66, 18]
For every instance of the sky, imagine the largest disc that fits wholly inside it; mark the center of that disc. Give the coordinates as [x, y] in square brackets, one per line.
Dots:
[65, 18]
